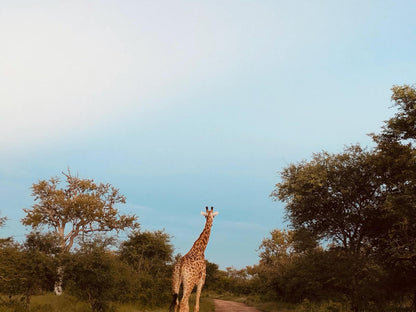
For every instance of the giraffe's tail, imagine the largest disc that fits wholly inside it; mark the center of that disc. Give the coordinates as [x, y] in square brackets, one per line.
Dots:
[174, 303]
[176, 284]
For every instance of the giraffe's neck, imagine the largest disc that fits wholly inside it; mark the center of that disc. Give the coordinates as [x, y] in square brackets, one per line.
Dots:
[201, 243]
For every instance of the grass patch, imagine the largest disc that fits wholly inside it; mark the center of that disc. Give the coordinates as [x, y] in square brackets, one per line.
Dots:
[276, 306]
[67, 303]
[63, 303]
[48, 302]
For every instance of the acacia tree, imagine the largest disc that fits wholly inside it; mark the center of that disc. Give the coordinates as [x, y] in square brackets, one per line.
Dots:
[81, 207]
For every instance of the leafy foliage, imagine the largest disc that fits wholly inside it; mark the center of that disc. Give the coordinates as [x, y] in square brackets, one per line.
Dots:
[26, 269]
[96, 275]
[362, 202]
[83, 205]
[395, 243]
[333, 196]
[150, 254]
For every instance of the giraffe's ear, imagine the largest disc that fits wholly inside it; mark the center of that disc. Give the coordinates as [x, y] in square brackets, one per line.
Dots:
[203, 214]
[215, 213]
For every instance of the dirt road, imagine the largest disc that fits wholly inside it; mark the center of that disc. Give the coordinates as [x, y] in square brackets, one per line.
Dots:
[230, 306]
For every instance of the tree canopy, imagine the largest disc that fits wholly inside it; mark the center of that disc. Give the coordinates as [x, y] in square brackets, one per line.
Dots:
[333, 195]
[80, 207]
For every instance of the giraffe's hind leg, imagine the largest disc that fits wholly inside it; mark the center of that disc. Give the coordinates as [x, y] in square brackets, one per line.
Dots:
[187, 289]
[176, 284]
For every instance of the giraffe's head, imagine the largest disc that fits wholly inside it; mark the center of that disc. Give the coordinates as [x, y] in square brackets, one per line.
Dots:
[209, 214]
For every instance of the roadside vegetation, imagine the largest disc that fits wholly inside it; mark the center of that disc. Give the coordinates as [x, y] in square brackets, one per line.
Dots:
[350, 245]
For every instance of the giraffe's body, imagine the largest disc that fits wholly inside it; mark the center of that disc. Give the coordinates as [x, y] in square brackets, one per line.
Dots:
[190, 270]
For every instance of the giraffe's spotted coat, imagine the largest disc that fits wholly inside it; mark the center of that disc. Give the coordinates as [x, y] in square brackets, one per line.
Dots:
[190, 270]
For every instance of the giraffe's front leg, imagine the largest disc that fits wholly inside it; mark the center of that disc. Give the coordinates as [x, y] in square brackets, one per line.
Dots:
[198, 295]
[200, 284]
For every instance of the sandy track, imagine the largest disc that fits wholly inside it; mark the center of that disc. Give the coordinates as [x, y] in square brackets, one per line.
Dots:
[231, 306]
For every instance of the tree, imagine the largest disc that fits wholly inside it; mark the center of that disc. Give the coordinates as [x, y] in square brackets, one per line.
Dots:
[4, 240]
[277, 254]
[213, 276]
[336, 198]
[332, 196]
[95, 274]
[402, 126]
[30, 268]
[396, 151]
[147, 251]
[81, 207]
[150, 255]
[278, 249]
[361, 204]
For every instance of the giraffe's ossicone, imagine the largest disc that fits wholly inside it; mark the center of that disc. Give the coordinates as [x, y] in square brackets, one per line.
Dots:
[190, 270]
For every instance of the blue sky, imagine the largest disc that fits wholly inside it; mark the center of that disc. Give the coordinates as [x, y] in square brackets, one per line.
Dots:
[183, 104]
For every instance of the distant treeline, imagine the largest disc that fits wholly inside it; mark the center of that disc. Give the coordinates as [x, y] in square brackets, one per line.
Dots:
[351, 242]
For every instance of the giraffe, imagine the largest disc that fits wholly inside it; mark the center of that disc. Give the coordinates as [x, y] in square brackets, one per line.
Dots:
[190, 270]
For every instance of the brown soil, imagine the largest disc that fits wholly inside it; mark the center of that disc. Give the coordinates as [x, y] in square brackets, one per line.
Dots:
[231, 306]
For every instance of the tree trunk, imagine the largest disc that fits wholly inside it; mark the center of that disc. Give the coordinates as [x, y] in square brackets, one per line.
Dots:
[59, 280]
[27, 303]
